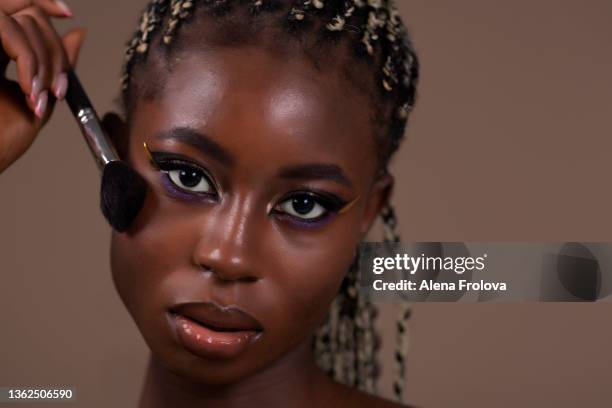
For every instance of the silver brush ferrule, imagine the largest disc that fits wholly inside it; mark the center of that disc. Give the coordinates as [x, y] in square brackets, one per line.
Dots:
[98, 143]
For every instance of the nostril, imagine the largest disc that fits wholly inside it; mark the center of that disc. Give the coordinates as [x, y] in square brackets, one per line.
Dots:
[229, 275]
[205, 268]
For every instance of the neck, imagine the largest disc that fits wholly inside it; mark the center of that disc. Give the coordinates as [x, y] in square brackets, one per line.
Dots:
[293, 377]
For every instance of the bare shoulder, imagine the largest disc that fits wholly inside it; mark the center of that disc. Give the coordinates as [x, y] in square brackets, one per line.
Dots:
[359, 398]
[367, 400]
[342, 395]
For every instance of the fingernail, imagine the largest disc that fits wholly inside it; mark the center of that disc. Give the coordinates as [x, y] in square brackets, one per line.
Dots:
[41, 105]
[65, 9]
[61, 85]
[36, 87]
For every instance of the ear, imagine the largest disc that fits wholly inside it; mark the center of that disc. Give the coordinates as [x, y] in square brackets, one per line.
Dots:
[378, 199]
[117, 130]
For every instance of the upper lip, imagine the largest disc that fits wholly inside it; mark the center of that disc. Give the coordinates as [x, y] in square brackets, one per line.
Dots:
[221, 318]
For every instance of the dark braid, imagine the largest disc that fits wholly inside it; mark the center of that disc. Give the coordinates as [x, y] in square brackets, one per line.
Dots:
[346, 344]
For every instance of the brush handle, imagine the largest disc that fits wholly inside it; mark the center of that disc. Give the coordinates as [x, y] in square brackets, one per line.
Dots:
[100, 146]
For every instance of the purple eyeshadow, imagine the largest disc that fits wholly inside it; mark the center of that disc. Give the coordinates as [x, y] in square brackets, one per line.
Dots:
[176, 193]
[316, 223]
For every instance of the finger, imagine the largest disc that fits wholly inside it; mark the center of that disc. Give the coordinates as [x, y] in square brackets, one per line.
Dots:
[58, 56]
[73, 40]
[43, 56]
[17, 48]
[55, 8]
[13, 6]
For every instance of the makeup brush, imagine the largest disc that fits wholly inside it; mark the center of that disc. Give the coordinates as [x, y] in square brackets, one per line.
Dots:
[123, 190]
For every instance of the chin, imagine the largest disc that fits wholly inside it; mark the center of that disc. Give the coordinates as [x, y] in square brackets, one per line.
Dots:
[203, 372]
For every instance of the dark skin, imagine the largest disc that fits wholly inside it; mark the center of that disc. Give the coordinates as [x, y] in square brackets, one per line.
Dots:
[266, 114]
[42, 57]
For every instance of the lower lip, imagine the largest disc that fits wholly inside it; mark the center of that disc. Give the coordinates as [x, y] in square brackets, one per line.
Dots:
[207, 343]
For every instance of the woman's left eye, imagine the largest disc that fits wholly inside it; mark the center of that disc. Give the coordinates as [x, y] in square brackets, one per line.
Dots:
[190, 179]
[304, 206]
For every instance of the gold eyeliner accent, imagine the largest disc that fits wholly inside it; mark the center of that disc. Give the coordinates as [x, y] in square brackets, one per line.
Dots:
[151, 160]
[349, 205]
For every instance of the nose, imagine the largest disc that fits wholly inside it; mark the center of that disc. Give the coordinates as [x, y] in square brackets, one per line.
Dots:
[227, 244]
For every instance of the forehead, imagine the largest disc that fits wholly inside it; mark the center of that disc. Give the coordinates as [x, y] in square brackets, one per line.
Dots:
[250, 99]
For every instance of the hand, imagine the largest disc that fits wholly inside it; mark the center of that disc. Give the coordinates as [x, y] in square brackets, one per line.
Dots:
[28, 37]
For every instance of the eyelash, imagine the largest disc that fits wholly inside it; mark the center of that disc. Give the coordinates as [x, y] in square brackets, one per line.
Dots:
[166, 163]
[331, 205]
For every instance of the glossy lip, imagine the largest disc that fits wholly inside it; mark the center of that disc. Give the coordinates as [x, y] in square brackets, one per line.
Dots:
[221, 318]
[212, 331]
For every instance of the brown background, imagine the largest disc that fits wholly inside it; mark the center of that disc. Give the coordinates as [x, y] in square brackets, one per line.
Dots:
[510, 141]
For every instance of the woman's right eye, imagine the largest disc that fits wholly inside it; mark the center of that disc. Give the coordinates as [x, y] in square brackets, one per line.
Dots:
[180, 175]
[190, 179]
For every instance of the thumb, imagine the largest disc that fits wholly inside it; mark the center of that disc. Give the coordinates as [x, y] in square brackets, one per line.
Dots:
[72, 41]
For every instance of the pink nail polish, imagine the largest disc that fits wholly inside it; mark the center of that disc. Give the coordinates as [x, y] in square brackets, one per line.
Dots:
[36, 87]
[65, 9]
[61, 85]
[41, 105]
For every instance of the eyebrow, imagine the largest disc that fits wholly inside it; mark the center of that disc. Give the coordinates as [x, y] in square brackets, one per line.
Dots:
[316, 171]
[199, 141]
[209, 147]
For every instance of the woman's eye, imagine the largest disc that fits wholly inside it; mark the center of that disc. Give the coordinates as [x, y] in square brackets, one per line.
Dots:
[303, 206]
[190, 179]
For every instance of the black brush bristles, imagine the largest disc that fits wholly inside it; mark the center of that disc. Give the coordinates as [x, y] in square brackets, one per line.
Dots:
[123, 190]
[122, 194]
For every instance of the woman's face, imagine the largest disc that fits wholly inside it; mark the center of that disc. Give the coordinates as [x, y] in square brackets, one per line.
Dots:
[259, 155]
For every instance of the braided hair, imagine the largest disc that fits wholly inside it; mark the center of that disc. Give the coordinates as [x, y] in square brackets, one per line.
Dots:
[373, 35]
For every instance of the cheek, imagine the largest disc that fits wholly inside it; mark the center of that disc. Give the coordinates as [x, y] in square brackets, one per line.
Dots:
[144, 267]
[134, 275]
[307, 282]
[140, 264]
[141, 258]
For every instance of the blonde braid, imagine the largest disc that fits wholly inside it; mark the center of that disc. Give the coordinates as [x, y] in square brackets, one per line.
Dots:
[149, 21]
